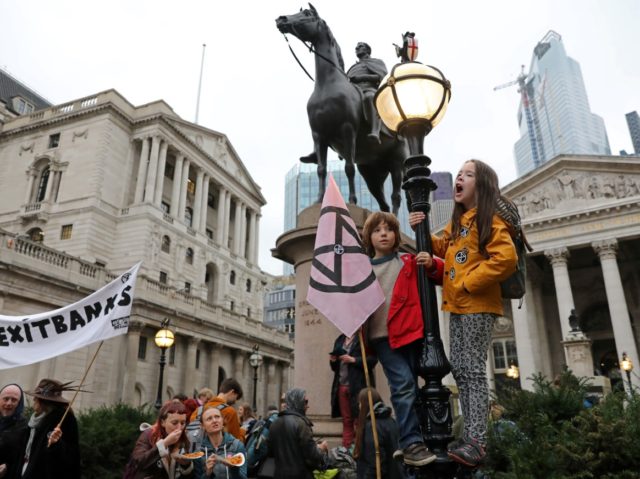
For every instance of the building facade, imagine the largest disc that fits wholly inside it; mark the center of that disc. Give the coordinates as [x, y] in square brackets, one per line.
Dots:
[581, 214]
[633, 122]
[280, 305]
[555, 117]
[100, 184]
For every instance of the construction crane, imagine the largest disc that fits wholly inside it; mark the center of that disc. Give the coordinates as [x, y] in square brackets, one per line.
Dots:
[530, 114]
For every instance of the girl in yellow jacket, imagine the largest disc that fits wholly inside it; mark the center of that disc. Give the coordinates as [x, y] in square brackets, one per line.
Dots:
[479, 254]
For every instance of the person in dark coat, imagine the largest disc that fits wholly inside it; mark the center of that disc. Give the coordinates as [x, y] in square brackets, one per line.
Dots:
[291, 440]
[50, 451]
[348, 379]
[388, 439]
[12, 428]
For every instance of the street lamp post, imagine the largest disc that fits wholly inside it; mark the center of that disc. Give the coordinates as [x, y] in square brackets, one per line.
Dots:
[255, 360]
[164, 340]
[627, 366]
[411, 100]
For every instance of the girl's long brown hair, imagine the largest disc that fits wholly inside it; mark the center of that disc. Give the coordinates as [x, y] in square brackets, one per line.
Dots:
[158, 432]
[363, 412]
[487, 193]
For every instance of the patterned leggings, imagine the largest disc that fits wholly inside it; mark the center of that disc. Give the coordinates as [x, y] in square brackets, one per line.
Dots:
[469, 337]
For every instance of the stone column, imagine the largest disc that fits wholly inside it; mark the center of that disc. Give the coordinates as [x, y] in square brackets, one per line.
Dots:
[256, 245]
[214, 361]
[237, 227]
[49, 188]
[243, 231]
[252, 235]
[160, 177]
[620, 320]
[175, 188]
[31, 177]
[238, 365]
[197, 207]
[559, 258]
[190, 367]
[220, 215]
[142, 171]
[227, 217]
[183, 189]
[153, 170]
[271, 397]
[526, 335]
[133, 341]
[205, 204]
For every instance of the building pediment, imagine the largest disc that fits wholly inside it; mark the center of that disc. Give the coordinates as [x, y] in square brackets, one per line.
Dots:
[575, 185]
[217, 146]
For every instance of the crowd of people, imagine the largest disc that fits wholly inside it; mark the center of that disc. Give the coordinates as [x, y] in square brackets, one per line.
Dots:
[207, 437]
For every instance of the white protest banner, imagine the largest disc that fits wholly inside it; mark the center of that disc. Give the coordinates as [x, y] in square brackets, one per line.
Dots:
[101, 315]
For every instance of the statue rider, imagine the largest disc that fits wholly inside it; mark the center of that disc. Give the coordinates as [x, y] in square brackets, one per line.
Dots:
[366, 74]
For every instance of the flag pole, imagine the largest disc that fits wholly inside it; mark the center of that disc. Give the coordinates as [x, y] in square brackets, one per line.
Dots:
[95, 355]
[374, 429]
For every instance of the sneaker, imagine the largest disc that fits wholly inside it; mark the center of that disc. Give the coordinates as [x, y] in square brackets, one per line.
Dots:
[470, 453]
[398, 455]
[418, 455]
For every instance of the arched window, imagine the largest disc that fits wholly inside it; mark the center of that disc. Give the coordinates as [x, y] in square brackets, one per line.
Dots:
[232, 277]
[248, 286]
[36, 235]
[188, 216]
[188, 256]
[42, 185]
[166, 244]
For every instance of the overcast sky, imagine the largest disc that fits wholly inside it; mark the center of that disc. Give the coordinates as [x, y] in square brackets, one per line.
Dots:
[255, 93]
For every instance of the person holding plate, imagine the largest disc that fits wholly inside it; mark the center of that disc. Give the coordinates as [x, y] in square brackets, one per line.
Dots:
[157, 453]
[224, 455]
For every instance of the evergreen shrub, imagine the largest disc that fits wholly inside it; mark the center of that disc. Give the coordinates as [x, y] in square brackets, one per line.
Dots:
[558, 436]
[107, 437]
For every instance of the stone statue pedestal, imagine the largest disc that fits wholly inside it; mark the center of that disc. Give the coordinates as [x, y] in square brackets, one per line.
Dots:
[578, 353]
[314, 334]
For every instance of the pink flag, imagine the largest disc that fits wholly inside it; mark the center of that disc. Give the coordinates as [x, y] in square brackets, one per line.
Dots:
[342, 285]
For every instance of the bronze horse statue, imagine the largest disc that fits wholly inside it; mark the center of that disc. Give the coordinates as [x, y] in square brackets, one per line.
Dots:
[337, 120]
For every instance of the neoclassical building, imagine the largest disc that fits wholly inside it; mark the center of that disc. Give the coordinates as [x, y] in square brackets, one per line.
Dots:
[582, 216]
[91, 187]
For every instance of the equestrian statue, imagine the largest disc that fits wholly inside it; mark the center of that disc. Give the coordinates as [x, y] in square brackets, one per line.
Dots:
[342, 115]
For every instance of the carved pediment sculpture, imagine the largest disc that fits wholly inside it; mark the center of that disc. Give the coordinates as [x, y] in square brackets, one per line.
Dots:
[569, 189]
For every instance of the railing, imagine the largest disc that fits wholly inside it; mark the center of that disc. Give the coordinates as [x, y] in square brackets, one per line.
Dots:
[32, 207]
[42, 253]
[88, 270]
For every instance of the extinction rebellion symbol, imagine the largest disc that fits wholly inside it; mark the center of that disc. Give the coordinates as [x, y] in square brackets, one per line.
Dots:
[338, 279]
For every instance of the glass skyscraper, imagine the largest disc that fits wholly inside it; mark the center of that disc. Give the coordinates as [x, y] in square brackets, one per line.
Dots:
[555, 118]
[633, 122]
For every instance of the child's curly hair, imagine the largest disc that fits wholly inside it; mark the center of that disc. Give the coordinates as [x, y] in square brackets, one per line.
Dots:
[373, 221]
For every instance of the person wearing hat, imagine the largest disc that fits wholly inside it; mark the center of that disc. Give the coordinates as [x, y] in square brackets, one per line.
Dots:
[12, 427]
[51, 451]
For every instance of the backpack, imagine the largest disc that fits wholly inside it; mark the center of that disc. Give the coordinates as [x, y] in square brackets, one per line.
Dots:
[341, 459]
[194, 430]
[256, 443]
[514, 286]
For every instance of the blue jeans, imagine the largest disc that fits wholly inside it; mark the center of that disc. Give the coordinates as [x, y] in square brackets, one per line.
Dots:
[399, 367]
